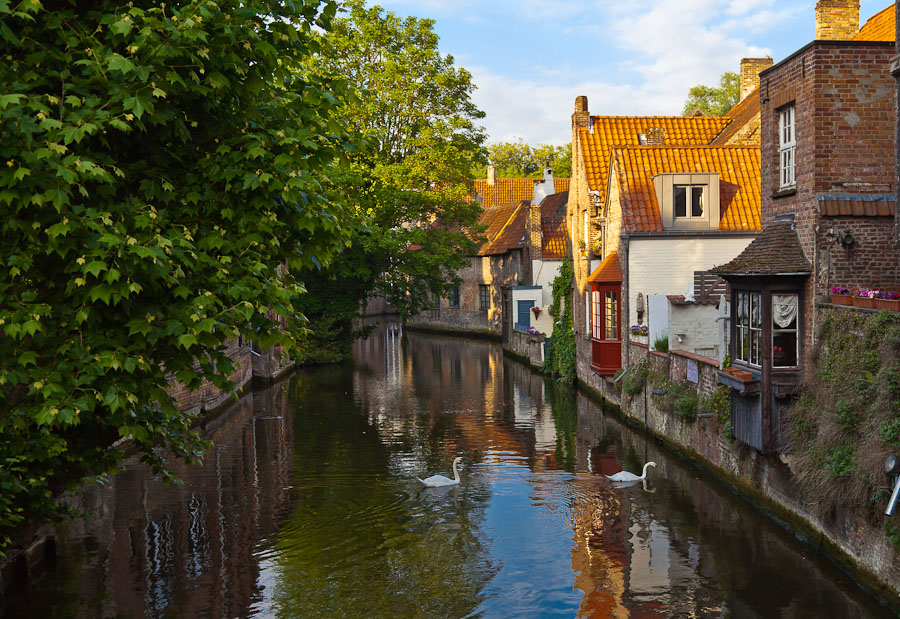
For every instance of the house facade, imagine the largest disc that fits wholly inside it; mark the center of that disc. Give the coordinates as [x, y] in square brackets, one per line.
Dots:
[829, 174]
[653, 201]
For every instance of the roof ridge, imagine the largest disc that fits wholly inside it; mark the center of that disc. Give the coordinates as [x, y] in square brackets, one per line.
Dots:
[692, 146]
[692, 118]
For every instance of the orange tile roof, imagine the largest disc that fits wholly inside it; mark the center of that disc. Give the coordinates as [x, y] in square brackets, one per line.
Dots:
[745, 112]
[739, 182]
[505, 228]
[554, 237]
[612, 131]
[507, 190]
[608, 271]
[882, 26]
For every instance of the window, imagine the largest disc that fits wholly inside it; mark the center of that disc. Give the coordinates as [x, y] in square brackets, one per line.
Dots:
[748, 328]
[610, 315]
[436, 301]
[453, 297]
[787, 145]
[784, 330]
[484, 297]
[688, 200]
[597, 315]
[587, 312]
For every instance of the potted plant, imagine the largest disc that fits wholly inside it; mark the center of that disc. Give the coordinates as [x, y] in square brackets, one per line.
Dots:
[640, 330]
[864, 298]
[841, 296]
[888, 301]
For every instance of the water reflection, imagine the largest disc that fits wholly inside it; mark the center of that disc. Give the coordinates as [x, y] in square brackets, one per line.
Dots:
[308, 507]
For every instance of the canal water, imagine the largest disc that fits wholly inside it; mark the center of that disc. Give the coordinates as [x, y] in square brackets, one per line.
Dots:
[308, 506]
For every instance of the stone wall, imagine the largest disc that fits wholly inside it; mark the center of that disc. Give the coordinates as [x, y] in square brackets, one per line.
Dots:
[526, 346]
[766, 480]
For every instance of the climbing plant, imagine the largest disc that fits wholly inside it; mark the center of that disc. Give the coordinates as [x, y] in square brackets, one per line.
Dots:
[561, 354]
[848, 419]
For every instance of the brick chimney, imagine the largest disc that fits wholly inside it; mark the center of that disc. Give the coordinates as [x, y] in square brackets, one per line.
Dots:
[533, 225]
[656, 136]
[491, 176]
[581, 119]
[750, 70]
[837, 20]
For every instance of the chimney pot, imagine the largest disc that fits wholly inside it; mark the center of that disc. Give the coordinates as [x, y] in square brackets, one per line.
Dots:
[491, 176]
[837, 20]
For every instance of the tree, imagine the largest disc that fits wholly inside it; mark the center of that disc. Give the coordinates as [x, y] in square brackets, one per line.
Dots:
[715, 100]
[518, 159]
[409, 186]
[160, 163]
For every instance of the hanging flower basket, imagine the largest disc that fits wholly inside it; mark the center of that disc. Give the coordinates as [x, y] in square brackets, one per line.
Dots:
[537, 311]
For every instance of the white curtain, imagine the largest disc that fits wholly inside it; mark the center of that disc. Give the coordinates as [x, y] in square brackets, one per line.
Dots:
[784, 309]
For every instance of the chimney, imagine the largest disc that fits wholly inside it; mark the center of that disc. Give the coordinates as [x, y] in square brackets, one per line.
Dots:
[581, 119]
[491, 176]
[656, 136]
[750, 70]
[837, 20]
[533, 234]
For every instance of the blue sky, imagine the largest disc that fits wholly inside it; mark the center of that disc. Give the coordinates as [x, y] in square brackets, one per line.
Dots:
[531, 58]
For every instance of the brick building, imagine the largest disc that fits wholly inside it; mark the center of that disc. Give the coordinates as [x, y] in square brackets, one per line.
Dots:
[828, 163]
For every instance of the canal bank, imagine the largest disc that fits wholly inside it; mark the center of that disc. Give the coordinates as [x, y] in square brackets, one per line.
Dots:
[845, 539]
[307, 505]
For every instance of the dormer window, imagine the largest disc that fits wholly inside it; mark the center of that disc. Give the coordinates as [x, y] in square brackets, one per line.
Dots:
[688, 201]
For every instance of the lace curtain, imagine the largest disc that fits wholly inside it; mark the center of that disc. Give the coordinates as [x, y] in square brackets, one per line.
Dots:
[784, 309]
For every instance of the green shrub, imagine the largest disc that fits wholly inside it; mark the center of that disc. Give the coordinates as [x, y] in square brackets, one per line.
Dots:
[635, 377]
[661, 343]
[684, 399]
[718, 403]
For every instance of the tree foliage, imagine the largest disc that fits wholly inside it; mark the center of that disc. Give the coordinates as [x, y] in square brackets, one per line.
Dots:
[159, 163]
[409, 187]
[715, 100]
[518, 159]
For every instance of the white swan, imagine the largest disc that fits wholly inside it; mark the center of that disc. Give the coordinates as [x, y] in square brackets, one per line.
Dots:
[435, 481]
[625, 476]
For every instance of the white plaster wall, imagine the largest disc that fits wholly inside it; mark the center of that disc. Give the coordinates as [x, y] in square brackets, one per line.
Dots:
[545, 271]
[542, 322]
[667, 265]
[698, 325]
[657, 318]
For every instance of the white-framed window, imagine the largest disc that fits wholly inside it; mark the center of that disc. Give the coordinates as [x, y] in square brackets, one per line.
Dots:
[748, 328]
[689, 201]
[787, 147]
[785, 331]
[597, 312]
[587, 312]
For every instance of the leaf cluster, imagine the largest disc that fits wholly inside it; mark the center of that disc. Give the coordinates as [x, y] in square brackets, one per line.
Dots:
[715, 100]
[160, 164]
[518, 159]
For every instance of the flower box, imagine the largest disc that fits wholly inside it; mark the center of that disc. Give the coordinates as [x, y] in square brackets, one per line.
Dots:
[867, 302]
[888, 304]
[842, 299]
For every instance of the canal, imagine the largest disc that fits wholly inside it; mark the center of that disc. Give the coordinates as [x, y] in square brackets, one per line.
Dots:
[308, 506]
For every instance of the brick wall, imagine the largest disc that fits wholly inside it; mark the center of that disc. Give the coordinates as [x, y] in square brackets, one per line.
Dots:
[845, 114]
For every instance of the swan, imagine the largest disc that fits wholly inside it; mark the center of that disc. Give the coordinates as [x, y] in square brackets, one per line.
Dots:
[436, 481]
[625, 476]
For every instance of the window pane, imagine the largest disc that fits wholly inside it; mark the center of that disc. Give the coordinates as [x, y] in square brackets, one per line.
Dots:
[754, 312]
[611, 317]
[680, 197]
[784, 348]
[697, 202]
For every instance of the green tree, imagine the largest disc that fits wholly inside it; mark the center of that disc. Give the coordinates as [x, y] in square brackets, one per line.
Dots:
[160, 163]
[518, 159]
[408, 189]
[715, 100]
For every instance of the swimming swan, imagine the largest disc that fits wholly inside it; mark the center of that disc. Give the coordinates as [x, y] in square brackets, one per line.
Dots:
[626, 476]
[436, 481]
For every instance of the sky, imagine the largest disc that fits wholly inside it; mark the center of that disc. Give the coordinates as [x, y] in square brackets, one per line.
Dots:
[530, 58]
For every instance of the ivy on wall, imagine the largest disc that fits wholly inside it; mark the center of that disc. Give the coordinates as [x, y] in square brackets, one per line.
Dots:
[560, 361]
[848, 419]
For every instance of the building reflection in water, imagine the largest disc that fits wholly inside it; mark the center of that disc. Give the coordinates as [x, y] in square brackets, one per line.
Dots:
[190, 550]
